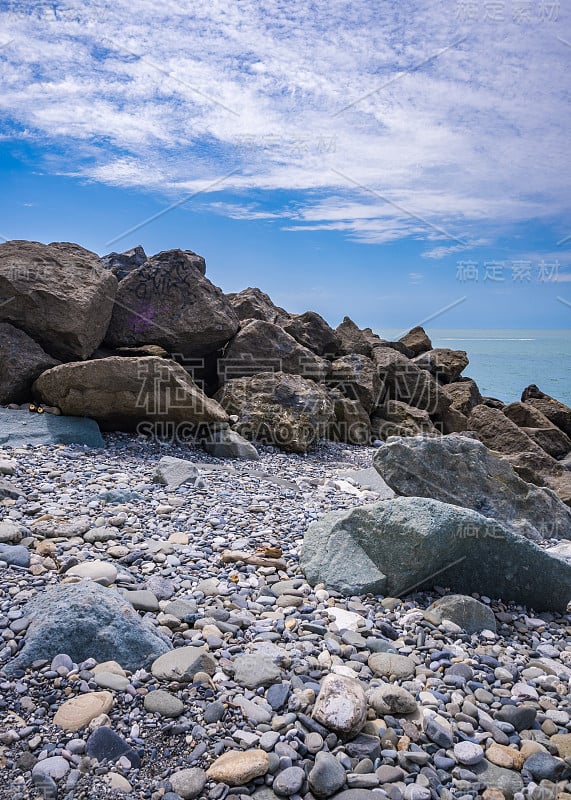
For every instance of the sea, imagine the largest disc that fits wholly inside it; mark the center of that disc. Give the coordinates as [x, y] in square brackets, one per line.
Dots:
[504, 362]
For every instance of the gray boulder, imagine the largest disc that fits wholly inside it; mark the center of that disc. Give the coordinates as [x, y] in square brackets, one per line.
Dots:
[86, 620]
[285, 410]
[22, 362]
[59, 294]
[394, 547]
[168, 301]
[460, 470]
[264, 347]
[121, 392]
[539, 428]
[20, 428]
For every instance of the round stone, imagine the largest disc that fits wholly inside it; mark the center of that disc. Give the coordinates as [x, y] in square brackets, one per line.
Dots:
[55, 767]
[237, 767]
[79, 711]
[468, 753]
[393, 699]
[289, 781]
[164, 704]
[99, 571]
[387, 664]
[188, 783]
[327, 775]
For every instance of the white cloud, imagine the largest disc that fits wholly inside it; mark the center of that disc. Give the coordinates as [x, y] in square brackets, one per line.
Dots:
[145, 94]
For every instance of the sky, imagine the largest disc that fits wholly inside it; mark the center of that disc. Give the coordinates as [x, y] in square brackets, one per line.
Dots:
[401, 162]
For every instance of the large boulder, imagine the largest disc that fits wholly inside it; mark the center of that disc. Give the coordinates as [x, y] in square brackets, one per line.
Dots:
[313, 332]
[402, 380]
[446, 365]
[264, 347]
[529, 459]
[20, 428]
[357, 377]
[394, 547]
[86, 620]
[252, 303]
[168, 301]
[121, 264]
[352, 423]
[399, 419]
[58, 294]
[417, 340]
[121, 392]
[539, 428]
[352, 339]
[558, 413]
[464, 394]
[281, 409]
[22, 362]
[461, 471]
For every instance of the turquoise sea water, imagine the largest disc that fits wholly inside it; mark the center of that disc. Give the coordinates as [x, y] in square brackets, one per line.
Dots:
[504, 362]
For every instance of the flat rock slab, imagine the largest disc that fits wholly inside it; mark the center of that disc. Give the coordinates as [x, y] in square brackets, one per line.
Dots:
[86, 620]
[20, 428]
[369, 479]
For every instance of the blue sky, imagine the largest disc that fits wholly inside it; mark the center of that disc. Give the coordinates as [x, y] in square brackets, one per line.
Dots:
[399, 162]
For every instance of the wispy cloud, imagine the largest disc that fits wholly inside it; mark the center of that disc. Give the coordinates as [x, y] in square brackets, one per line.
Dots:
[453, 123]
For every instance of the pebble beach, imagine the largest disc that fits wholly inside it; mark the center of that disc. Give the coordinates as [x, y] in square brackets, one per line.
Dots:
[449, 714]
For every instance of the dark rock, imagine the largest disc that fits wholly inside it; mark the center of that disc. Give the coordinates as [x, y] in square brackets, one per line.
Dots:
[121, 264]
[395, 546]
[521, 717]
[543, 766]
[168, 301]
[86, 620]
[59, 295]
[106, 745]
[461, 470]
[22, 362]
[493, 777]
